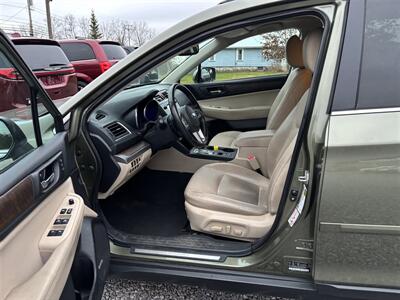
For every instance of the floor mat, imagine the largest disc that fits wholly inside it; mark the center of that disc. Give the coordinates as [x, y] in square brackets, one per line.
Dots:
[151, 203]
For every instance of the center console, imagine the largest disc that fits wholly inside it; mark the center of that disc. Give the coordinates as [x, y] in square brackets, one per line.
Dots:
[214, 153]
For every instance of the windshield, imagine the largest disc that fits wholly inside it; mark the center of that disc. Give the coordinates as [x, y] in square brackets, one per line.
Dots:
[158, 73]
[161, 71]
[113, 51]
[39, 57]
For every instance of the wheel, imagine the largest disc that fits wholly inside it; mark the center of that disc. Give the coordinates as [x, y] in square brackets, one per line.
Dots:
[81, 84]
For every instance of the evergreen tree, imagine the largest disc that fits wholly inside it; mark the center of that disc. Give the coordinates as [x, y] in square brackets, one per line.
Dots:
[94, 27]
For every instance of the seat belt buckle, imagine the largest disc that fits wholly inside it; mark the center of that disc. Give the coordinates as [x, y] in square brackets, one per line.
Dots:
[254, 163]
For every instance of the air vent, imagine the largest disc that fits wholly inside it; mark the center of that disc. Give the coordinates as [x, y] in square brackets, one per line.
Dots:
[117, 130]
[161, 96]
[100, 116]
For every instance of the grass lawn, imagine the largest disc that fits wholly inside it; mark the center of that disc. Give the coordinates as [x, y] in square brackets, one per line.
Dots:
[221, 76]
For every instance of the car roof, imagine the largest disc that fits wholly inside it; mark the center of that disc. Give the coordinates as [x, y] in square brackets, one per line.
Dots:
[34, 41]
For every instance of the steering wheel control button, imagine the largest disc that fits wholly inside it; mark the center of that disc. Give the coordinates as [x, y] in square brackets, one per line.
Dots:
[63, 211]
[71, 201]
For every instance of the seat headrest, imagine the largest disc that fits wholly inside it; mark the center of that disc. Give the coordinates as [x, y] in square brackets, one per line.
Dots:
[311, 45]
[294, 52]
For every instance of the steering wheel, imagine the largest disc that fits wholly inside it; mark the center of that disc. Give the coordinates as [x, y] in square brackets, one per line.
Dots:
[187, 115]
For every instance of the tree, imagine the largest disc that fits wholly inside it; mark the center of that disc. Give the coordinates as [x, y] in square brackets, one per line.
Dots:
[125, 32]
[141, 33]
[274, 44]
[94, 27]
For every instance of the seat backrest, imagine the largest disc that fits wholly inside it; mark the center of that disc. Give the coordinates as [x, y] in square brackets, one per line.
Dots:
[282, 144]
[296, 84]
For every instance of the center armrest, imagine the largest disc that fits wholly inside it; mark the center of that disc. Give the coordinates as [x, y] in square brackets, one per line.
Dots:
[257, 138]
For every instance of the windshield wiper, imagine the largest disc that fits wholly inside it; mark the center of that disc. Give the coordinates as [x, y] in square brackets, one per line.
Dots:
[52, 67]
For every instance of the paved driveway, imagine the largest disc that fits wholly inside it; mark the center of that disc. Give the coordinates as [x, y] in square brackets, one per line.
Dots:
[129, 289]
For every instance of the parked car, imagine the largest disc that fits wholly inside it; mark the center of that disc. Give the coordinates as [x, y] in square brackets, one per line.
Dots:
[129, 49]
[91, 57]
[284, 184]
[50, 65]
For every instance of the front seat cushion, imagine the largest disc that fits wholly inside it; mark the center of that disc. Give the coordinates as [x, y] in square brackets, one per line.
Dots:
[229, 200]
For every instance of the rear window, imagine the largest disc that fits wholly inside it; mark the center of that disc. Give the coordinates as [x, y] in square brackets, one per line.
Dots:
[380, 66]
[39, 57]
[78, 51]
[113, 51]
[4, 63]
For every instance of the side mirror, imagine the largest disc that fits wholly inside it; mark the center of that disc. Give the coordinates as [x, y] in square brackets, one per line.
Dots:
[13, 141]
[6, 141]
[208, 74]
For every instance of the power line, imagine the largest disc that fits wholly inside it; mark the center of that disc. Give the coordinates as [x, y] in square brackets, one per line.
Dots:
[22, 9]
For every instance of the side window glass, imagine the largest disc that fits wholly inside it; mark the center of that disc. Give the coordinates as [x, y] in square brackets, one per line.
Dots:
[380, 67]
[78, 51]
[261, 55]
[17, 130]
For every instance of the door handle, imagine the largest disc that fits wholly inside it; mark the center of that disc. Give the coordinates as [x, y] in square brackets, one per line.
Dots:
[216, 91]
[48, 181]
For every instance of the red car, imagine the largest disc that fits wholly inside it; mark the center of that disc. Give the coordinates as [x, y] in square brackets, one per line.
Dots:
[50, 65]
[91, 57]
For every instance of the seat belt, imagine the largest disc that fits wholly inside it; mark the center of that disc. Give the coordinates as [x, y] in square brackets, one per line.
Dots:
[254, 163]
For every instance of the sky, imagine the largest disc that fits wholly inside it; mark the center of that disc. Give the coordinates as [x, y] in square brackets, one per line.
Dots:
[159, 14]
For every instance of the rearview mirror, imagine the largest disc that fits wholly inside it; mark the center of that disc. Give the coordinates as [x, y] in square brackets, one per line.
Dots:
[190, 51]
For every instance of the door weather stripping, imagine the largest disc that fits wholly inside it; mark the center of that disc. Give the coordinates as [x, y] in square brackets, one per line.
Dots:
[177, 254]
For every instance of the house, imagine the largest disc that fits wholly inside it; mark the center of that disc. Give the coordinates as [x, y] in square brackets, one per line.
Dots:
[246, 54]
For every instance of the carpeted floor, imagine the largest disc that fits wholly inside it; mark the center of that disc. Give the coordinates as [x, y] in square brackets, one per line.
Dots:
[150, 203]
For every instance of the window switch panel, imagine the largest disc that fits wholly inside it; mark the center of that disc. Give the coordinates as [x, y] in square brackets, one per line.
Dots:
[52, 233]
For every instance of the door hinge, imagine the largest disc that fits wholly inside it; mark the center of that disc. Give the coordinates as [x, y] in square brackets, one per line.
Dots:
[304, 178]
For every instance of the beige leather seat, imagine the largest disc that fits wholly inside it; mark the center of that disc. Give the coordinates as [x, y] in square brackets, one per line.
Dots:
[229, 200]
[297, 83]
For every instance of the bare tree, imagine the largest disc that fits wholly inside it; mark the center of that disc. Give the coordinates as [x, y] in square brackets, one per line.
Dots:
[125, 32]
[70, 26]
[274, 44]
[84, 27]
[141, 33]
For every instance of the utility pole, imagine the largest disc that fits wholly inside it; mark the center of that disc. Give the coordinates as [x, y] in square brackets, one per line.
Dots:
[30, 17]
[49, 28]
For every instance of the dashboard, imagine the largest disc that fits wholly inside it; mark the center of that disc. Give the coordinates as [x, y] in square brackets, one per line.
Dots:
[127, 129]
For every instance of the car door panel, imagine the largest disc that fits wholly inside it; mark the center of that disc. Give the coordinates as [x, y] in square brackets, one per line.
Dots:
[213, 90]
[35, 265]
[240, 107]
[358, 226]
[41, 215]
[241, 104]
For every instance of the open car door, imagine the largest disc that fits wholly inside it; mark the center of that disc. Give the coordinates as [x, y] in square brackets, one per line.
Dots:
[51, 244]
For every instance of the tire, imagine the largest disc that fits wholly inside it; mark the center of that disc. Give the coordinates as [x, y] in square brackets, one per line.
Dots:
[81, 85]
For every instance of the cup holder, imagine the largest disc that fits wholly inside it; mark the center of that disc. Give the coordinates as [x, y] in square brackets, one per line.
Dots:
[229, 150]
